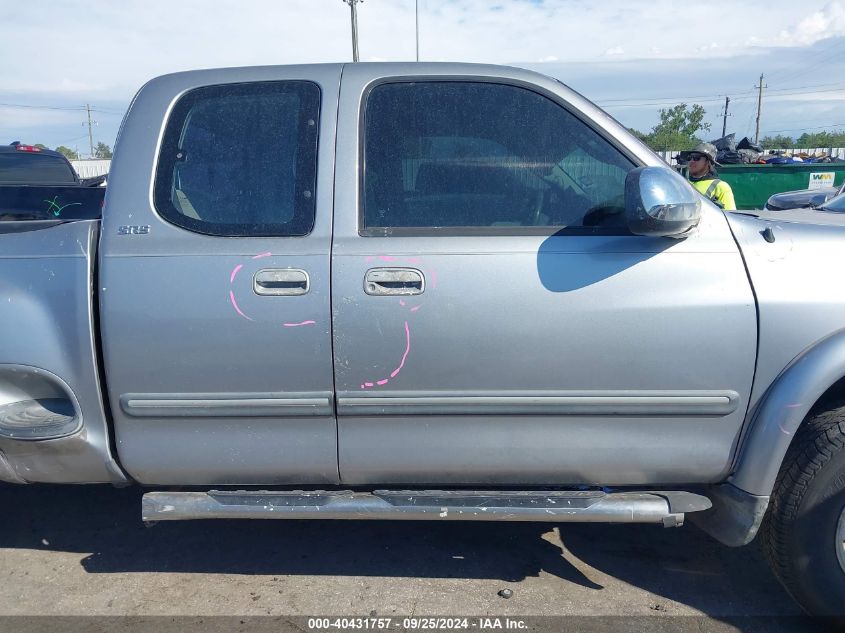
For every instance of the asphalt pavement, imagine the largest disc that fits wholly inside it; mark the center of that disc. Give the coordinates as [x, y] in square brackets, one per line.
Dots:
[83, 551]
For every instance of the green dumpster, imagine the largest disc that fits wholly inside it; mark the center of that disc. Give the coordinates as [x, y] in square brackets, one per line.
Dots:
[753, 184]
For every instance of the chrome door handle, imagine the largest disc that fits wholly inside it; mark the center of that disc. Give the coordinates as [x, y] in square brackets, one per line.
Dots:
[394, 281]
[281, 282]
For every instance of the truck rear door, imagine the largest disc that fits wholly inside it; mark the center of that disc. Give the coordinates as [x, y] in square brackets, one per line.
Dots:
[214, 287]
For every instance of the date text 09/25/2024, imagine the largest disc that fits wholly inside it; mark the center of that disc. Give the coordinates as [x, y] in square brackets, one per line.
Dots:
[416, 624]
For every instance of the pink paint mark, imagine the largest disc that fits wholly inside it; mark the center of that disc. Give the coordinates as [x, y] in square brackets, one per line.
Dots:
[402, 302]
[263, 255]
[783, 430]
[235, 271]
[793, 406]
[369, 258]
[298, 324]
[415, 308]
[235, 305]
[387, 258]
[413, 260]
[396, 371]
[433, 275]
[407, 351]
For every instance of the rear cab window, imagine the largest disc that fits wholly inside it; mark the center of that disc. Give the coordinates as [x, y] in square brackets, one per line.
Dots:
[241, 160]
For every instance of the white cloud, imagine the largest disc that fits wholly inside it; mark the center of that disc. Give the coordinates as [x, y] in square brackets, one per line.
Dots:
[30, 118]
[133, 43]
[712, 46]
[107, 50]
[828, 22]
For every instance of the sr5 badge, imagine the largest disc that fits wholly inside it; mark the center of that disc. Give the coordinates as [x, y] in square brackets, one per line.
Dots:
[134, 230]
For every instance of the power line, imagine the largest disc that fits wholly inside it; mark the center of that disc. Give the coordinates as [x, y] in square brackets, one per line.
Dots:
[688, 98]
[805, 129]
[656, 103]
[750, 118]
[750, 94]
[824, 56]
[62, 108]
[71, 140]
[40, 107]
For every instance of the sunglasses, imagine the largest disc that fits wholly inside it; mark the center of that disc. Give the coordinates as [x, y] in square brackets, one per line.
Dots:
[696, 157]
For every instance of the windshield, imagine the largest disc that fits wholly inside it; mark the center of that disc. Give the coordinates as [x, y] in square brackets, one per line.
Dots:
[835, 204]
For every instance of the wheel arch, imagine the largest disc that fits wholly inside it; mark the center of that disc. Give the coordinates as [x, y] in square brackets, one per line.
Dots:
[813, 378]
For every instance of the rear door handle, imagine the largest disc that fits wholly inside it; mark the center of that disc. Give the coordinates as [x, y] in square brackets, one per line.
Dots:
[281, 282]
[394, 281]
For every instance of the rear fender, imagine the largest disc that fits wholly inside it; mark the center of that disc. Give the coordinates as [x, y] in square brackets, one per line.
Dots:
[53, 424]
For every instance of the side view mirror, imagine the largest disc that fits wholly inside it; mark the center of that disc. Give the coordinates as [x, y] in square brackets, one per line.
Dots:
[660, 203]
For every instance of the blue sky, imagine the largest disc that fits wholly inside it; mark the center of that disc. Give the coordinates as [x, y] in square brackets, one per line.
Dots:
[632, 57]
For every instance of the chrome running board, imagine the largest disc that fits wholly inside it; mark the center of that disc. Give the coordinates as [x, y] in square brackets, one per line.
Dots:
[587, 506]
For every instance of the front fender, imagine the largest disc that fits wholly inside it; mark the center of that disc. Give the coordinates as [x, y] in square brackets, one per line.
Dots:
[739, 505]
[782, 410]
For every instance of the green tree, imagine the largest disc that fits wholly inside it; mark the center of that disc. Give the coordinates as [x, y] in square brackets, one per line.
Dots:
[821, 139]
[102, 150]
[41, 146]
[640, 135]
[777, 142]
[679, 128]
[68, 152]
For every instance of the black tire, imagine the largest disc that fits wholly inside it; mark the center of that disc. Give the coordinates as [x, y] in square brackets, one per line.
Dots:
[799, 534]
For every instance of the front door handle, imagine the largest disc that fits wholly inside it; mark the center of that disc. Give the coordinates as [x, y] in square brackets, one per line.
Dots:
[280, 282]
[394, 281]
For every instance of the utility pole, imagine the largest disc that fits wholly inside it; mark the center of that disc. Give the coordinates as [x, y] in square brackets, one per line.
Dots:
[352, 4]
[90, 133]
[725, 116]
[759, 107]
[417, 23]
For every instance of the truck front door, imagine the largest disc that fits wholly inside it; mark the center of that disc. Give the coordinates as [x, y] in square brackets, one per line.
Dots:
[215, 279]
[495, 322]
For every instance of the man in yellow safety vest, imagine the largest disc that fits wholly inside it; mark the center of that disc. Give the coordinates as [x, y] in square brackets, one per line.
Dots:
[703, 176]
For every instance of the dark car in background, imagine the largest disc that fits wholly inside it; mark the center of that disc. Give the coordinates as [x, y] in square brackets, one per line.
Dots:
[29, 165]
[830, 213]
[40, 184]
[803, 198]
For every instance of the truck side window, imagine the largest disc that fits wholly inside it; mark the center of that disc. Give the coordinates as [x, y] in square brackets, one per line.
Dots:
[455, 156]
[241, 160]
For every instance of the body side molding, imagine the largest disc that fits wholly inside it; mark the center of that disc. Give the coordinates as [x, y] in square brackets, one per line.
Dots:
[205, 405]
[628, 402]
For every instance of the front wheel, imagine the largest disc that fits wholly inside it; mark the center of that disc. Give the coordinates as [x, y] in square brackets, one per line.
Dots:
[804, 531]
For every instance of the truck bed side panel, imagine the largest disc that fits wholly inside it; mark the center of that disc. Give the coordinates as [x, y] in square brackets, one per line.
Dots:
[48, 353]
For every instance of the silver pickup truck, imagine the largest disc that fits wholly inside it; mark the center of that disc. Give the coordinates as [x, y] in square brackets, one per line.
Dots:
[427, 291]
